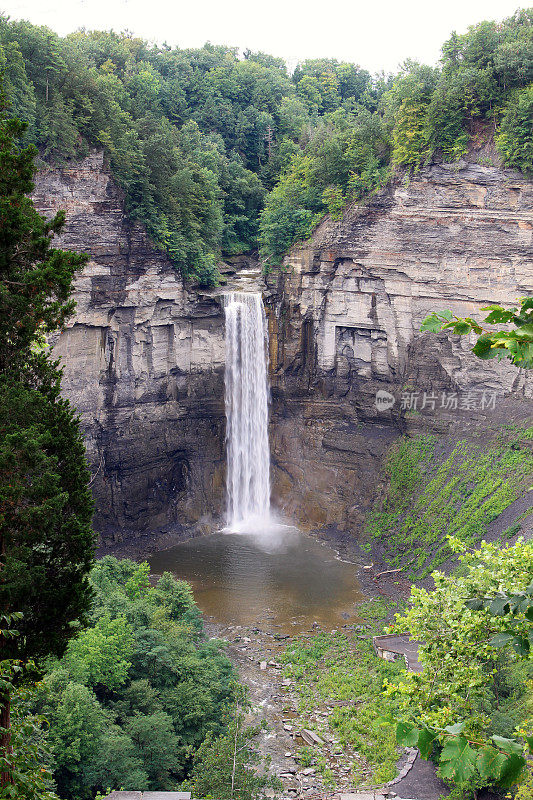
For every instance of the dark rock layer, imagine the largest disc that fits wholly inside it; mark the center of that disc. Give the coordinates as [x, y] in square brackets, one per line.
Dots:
[345, 313]
[144, 355]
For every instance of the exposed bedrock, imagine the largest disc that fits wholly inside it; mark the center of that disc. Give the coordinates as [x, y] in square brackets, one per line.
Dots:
[345, 314]
[144, 361]
[144, 354]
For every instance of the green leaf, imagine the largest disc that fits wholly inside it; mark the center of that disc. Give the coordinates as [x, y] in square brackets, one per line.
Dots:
[493, 307]
[425, 742]
[432, 323]
[499, 606]
[529, 740]
[507, 745]
[501, 639]
[458, 760]
[475, 326]
[500, 315]
[490, 762]
[511, 770]
[407, 734]
[483, 347]
[521, 646]
[454, 729]
[462, 327]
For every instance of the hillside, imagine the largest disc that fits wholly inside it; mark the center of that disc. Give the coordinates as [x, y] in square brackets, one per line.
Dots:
[218, 155]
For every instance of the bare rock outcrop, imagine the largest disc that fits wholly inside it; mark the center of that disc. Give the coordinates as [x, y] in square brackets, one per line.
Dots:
[345, 313]
[143, 363]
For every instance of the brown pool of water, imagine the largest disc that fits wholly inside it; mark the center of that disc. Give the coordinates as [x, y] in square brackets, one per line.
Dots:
[280, 579]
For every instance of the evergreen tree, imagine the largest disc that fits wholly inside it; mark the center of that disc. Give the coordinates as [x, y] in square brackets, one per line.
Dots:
[46, 539]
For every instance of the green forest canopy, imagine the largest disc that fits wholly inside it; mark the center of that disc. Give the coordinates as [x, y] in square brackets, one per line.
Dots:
[137, 691]
[218, 155]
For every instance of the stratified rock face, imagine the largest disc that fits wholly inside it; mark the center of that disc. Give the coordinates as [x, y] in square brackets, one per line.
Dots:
[144, 356]
[345, 316]
[143, 362]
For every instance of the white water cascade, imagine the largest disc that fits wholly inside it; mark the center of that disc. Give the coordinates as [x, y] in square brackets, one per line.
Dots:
[248, 454]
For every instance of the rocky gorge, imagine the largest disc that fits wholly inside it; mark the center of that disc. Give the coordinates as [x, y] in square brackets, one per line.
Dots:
[144, 354]
[143, 361]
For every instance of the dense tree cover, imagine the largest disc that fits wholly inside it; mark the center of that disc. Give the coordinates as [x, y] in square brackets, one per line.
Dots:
[23, 753]
[344, 160]
[45, 503]
[481, 75]
[484, 79]
[469, 705]
[138, 691]
[199, 139]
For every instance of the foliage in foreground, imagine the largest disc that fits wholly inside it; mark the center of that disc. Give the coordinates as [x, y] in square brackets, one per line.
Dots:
[138, 691]
[515, 344]
[24, 757]
[469, 704]
[431, 496]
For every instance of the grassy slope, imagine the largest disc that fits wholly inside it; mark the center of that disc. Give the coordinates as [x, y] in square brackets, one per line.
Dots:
[434, 492]
[330, 668]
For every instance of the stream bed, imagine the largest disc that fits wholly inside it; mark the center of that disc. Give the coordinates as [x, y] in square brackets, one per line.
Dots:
[257, 591]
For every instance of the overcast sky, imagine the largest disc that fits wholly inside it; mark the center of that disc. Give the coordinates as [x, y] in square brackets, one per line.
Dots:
[377, 34]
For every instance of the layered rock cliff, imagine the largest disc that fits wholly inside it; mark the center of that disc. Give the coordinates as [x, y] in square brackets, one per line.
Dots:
[345, 315]
[143, 363]
[144, 355]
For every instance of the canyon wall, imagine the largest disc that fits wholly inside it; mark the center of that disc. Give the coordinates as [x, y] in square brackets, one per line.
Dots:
[143, 363]
[144, 354]
[345, 313]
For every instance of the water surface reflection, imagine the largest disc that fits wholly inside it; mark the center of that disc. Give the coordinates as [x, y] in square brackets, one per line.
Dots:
[279, 578]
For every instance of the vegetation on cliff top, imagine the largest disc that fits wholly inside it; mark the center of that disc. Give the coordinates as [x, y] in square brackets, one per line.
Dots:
[216, 154]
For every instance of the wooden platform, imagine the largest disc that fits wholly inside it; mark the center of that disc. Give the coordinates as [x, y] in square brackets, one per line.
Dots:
[148, 796]
[393, 646]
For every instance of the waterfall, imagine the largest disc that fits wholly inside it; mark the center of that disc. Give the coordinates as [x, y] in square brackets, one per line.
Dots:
[248, 455]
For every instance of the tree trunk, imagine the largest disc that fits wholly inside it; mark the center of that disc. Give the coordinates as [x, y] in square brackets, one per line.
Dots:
[6, 748]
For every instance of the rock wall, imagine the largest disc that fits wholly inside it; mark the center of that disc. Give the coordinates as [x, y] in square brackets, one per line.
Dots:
[345, 313]
[143, 363]
[144, 354]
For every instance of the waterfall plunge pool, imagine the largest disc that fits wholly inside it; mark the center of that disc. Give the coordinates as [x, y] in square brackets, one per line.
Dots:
[278, 578]
[257, 572]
